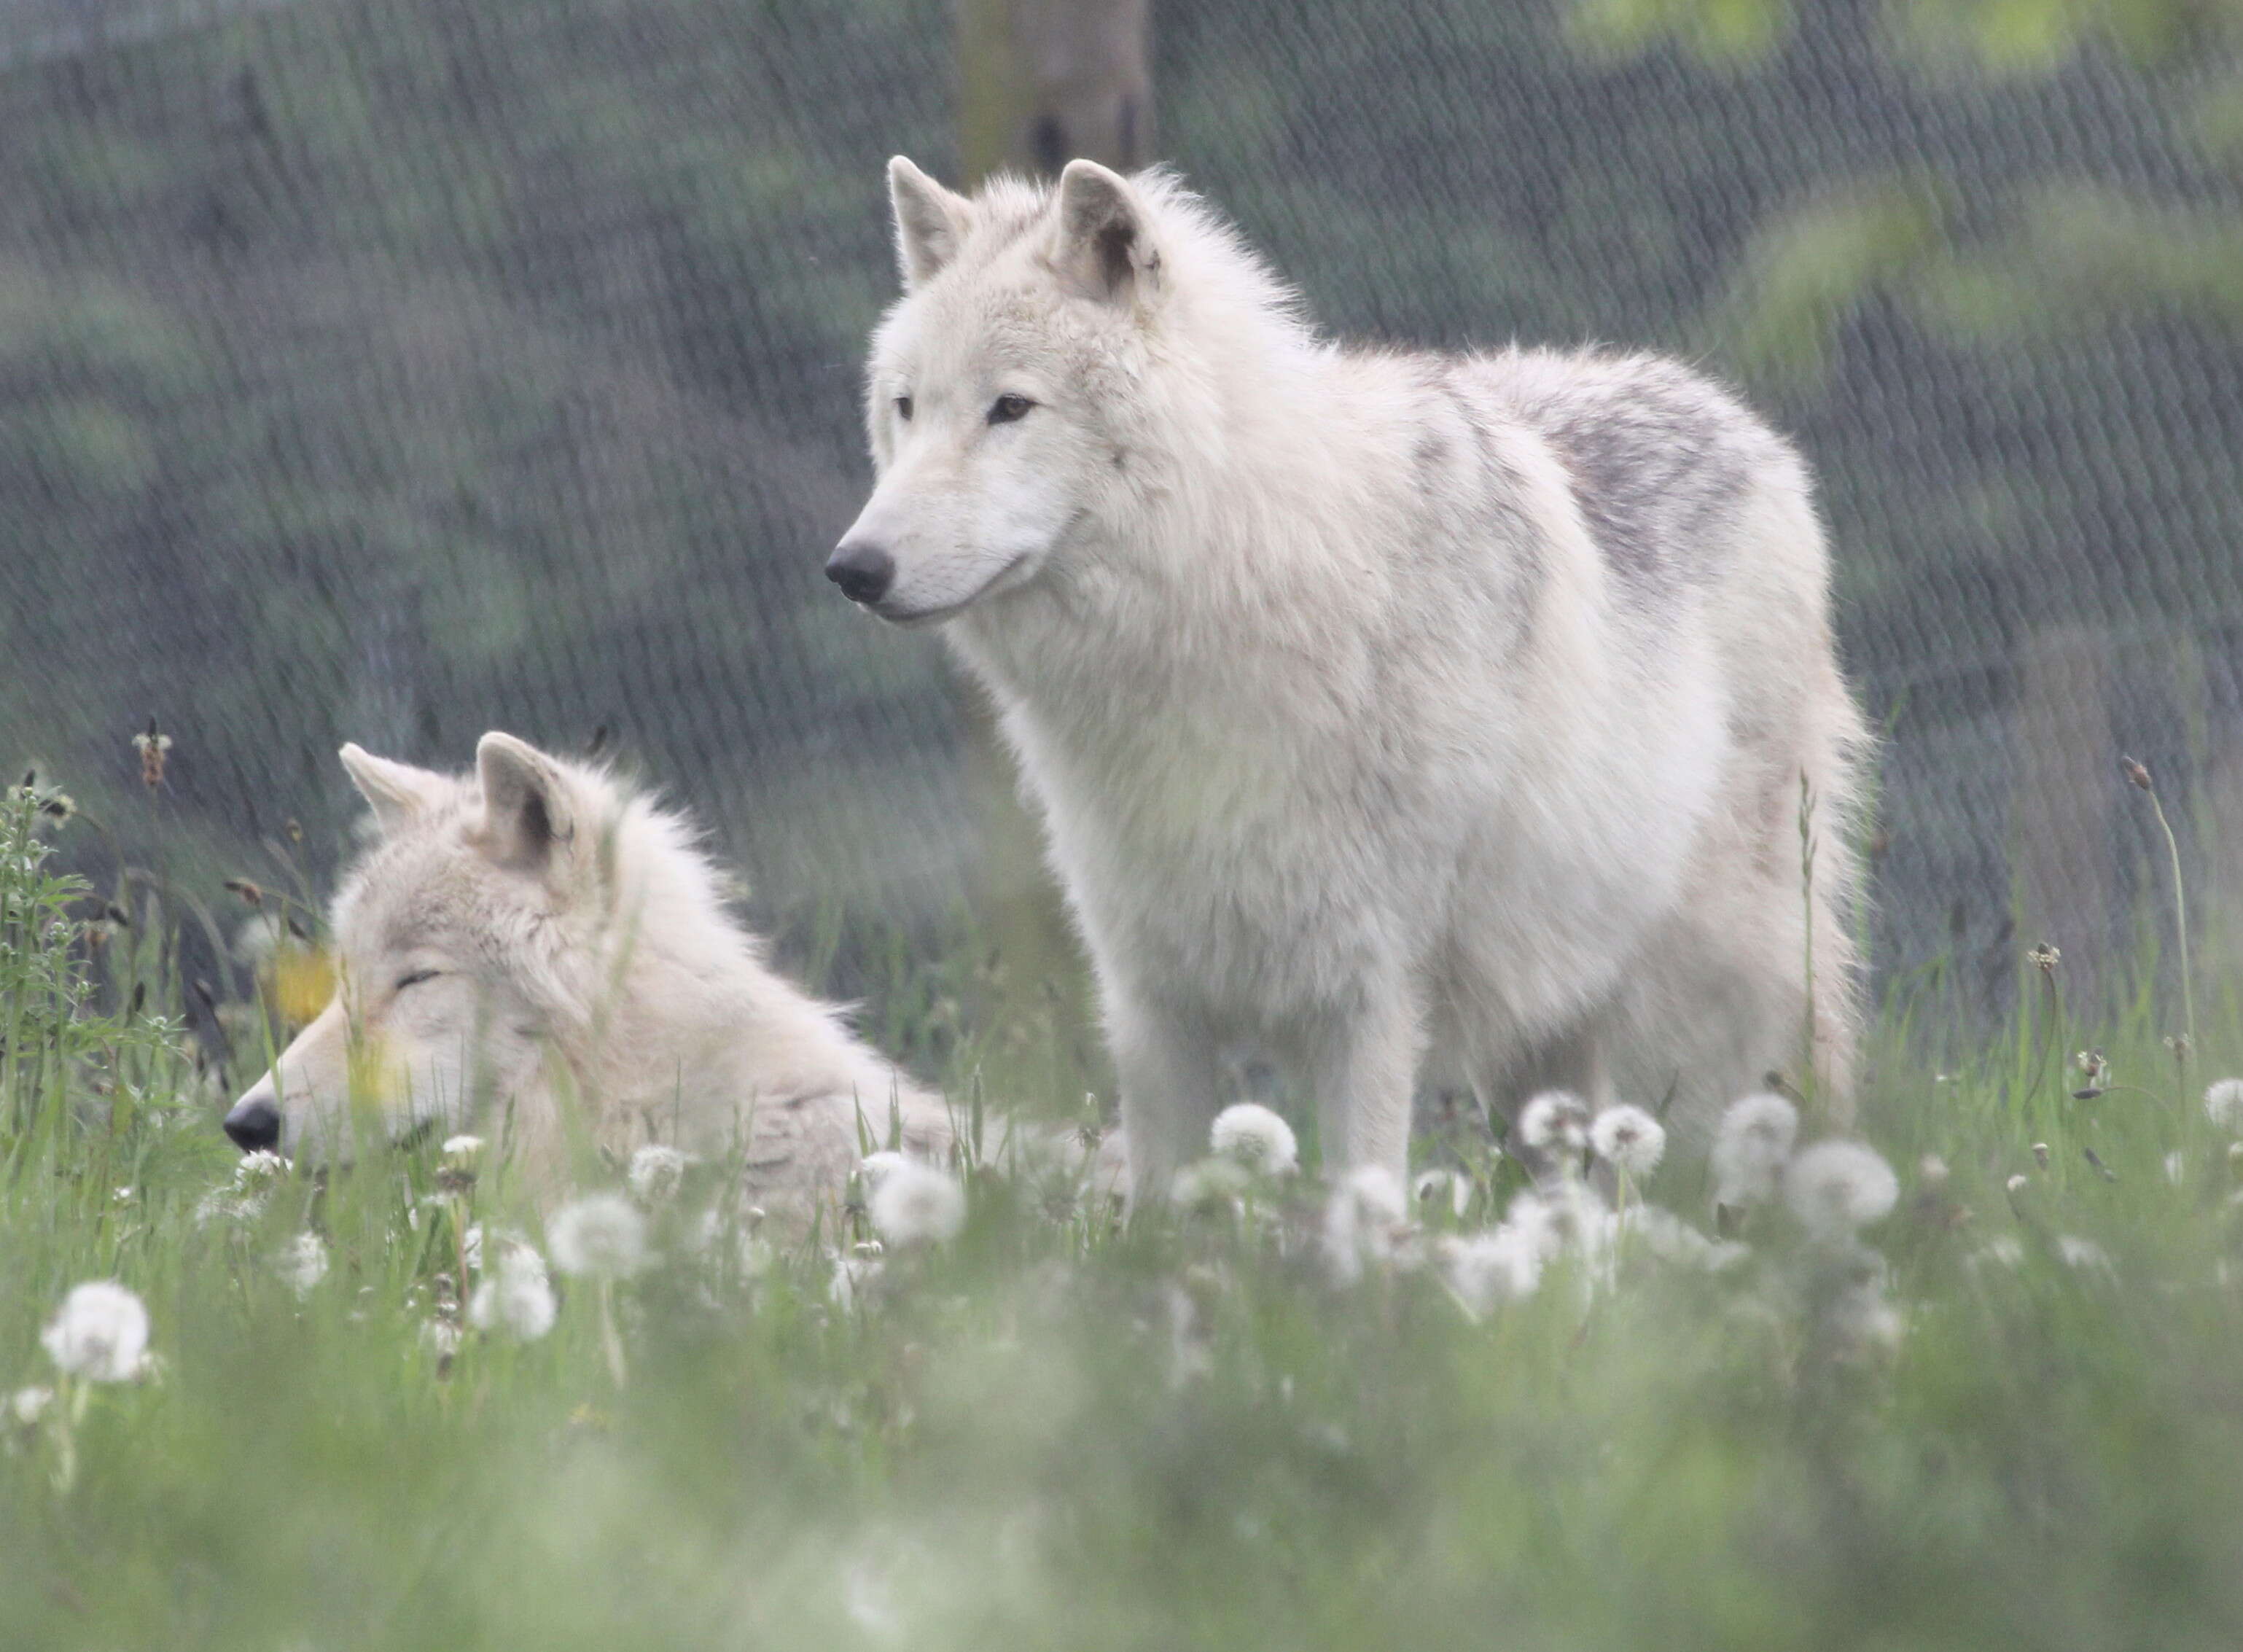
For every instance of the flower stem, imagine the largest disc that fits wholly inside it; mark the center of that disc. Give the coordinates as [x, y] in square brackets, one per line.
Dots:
[611, 1342]
[2180, 922]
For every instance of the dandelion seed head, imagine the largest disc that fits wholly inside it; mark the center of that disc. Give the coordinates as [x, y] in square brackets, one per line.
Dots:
[1629, 1140]
[1489, 1269]
[1555, 1122]
[1206, 1183]
[1836, 1188]
[2002, 1250]
[854, 1281]
[2084, 1254]
[1251, 1135]
[302, 1263]
[875, 1168]
[27, 1406]
[1671, 1239]
[917, 1205]
[656, 1172]
[1750, 1146]
[100, 1332]
[259, 1168]
[462, 1151]
[517, 1297]
[225, 1205]
[2223, 1105]
[1365, 1223]
[1863, 1323]
[600, 1236]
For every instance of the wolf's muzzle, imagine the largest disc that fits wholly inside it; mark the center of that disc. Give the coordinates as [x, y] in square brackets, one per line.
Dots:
[254, 1124]
[862, 572]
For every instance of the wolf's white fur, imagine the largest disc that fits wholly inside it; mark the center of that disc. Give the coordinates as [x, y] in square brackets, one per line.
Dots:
[1405, 716]
[588, 976]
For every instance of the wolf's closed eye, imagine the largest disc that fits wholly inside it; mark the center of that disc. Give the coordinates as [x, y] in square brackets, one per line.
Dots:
[903, 408]
[415, 978]
[1008, 408]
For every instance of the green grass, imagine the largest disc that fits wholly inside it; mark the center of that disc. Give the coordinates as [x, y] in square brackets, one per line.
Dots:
[1052, 1433]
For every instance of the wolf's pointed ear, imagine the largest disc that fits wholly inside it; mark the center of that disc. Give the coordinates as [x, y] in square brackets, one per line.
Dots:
[1103, 245]
[526, 810]
[930, 222]
[396, 792]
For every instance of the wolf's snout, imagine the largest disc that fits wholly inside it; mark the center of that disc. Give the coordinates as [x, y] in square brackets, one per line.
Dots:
[254, 1124]
[864, 571]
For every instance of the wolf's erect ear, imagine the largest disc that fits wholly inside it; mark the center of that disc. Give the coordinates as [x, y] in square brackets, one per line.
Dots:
[930, 222]
[1104, 246]
[526, 810]
[396, 792]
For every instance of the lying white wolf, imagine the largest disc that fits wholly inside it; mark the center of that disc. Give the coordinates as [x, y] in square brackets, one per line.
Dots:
[1400, 714]
[535, 940]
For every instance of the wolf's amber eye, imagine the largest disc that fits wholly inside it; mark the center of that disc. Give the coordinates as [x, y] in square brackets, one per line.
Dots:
[415, 978]
[1006, 408]
[903, 408]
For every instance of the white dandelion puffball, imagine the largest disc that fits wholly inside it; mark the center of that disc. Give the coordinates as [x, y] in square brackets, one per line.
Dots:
[1253, 1136]
[875, 1168]
[302, 1263]
[1489, 1269]
[914, 1205]
[100, 1333]
[1673, 1240]
[259, 1169]
[1629, 1140]
[1750, 1146]
[27, 1406]
[600, 1237]
[855, 1279]
[1555, 1122]
[2223, 1105]
[1365, 1221]
[656, 1172]
[1837, 1187]
[460, 1152]
[515, 1297]
[2084, 1254]
[1206, 1183]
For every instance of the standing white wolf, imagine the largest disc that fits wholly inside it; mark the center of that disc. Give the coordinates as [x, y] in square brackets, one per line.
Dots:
[533, 949]
[1403, 715]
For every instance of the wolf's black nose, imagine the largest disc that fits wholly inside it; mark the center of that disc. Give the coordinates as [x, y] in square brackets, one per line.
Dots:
[254, 1125]
[862, 571]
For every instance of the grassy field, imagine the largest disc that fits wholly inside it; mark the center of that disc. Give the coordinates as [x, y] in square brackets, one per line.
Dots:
[2010, 1413]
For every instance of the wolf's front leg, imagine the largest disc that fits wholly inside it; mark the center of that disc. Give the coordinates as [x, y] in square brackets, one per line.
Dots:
[1170, 1066]
[1363, 1070]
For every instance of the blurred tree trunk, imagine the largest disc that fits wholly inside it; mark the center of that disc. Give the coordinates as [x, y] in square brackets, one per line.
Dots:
[1041, 82]
[2065, 756]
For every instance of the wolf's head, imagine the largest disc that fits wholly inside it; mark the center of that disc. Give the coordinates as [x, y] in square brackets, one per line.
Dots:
[1027, 393]
[459, 948]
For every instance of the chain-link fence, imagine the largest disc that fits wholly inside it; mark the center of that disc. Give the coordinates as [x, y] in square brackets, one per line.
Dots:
[395, 369]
